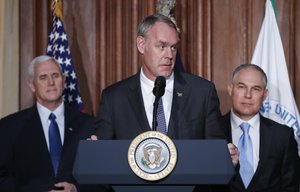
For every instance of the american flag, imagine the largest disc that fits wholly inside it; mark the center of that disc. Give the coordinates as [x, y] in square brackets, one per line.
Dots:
[59, 49]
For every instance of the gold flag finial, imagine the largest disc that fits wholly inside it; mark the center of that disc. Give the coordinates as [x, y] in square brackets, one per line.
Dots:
[56, 8]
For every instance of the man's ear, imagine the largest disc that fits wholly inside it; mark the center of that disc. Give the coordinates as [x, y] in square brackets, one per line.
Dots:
[266, 93]
[229, 88]
[31, 85]
[64, 79]
[140, 43]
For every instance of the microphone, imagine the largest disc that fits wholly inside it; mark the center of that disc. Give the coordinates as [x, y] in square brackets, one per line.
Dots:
[159, 86]
[158, 91]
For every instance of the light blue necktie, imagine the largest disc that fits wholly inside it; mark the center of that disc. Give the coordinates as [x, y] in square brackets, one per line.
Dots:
[55, 144]
[161, 120]
[246, 155]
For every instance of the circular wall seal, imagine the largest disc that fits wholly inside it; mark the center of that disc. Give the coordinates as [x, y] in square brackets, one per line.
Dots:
[152, 155]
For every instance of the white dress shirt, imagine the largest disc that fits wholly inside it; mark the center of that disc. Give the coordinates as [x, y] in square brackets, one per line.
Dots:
[253, 132]
[148, 97]
[60, 116]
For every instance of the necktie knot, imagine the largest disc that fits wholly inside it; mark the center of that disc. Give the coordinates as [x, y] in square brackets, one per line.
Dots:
[52, 116]
[245, 127]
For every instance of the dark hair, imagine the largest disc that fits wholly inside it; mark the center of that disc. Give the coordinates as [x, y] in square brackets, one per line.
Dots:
[247, 66]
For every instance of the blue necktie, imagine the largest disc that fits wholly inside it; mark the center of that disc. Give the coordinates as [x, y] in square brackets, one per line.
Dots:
[246, 155]
[161, 120]
[55, 144]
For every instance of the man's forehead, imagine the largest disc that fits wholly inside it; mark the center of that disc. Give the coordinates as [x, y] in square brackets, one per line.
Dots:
[250, 83]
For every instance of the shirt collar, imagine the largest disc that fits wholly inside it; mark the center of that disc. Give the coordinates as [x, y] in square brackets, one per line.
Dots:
[150, 84]
[45, 112]
[238, 121]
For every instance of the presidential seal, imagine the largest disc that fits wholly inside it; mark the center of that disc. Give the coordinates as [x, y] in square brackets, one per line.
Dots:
[152, 155]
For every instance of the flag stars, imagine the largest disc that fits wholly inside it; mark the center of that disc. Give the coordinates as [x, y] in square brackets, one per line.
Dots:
[55, 47]
[73, 75]
[78, 99]
[68, 61]
[56, 36]
[49, 48]
[60, 60]
[51, 36]
[58, 24]
[70, 98]
[61, 49]
[71, 86]
[63, 37]
[58, 48]
[66, 74]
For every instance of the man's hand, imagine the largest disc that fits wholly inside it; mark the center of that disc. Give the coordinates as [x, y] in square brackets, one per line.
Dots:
[93, 137]
[234, 153]
[66, 187]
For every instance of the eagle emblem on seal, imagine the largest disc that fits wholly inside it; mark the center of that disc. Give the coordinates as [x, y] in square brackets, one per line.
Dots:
[152, 156]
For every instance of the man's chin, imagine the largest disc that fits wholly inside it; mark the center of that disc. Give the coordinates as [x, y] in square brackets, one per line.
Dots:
[166, 74]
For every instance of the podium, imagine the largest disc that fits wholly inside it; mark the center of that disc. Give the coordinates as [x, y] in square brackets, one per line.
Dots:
[198, 162]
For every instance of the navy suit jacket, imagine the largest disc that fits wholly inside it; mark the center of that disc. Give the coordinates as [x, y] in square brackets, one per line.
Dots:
[278, 168]
[194, 114]
[25, 163]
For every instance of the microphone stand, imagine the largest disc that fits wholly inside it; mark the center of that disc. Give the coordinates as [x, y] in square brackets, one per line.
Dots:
[155, 106]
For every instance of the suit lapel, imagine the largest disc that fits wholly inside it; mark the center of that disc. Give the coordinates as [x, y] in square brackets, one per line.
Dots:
[70, 130]
[180, 95]
[264, 146]
[226, 121]
[70, 126]
[135, 99]
[36, 132]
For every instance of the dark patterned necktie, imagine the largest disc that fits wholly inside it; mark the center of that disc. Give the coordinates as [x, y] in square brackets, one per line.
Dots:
[246, 155]
[55, 144]
[161, 120]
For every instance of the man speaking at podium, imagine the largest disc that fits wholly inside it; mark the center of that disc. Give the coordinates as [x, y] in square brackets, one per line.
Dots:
[190, 104]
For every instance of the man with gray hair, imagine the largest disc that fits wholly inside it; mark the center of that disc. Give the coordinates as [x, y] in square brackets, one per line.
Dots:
[38, 144]
[268, 151]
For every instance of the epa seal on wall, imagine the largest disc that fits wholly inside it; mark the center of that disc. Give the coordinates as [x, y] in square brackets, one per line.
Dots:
[152, 155]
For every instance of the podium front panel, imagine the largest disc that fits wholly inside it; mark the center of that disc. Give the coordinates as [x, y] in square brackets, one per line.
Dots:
[198, 162]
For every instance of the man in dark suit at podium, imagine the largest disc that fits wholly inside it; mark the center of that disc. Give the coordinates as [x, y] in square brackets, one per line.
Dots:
[30, 158]
[190, 103]
[268, 151]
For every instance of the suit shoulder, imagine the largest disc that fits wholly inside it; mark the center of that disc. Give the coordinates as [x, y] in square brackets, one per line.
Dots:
[15, 122]
[132, 81]
[17, 115]
[193, 80]
[276, 127]
[78, 115]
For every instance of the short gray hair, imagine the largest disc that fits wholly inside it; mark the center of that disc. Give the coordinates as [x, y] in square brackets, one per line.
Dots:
[39, 59]
[149, 21]
[247, 66]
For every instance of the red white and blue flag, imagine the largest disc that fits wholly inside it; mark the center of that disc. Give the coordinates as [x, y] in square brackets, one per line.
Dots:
[59, 49]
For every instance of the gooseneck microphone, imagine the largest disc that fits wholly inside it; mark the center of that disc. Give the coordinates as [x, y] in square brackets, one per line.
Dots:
[158, 91]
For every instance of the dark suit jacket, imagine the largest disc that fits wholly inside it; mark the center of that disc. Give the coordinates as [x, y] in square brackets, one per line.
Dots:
[278, 168]
[25, 163]
[194, 113]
